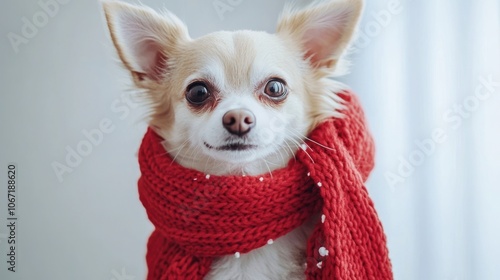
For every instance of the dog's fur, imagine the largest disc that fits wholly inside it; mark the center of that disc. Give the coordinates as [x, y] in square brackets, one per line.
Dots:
[305, 52]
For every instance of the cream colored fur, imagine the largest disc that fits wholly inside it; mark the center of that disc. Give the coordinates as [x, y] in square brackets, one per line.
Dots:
[306, 52]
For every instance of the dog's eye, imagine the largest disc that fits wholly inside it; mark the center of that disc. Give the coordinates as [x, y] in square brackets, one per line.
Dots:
[276, 89]
[197, 93]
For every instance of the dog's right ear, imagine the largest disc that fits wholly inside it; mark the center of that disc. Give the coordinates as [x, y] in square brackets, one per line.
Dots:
[323, 29]
[144, 39]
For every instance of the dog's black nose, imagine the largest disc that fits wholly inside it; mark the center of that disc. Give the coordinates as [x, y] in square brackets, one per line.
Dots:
[239, 121]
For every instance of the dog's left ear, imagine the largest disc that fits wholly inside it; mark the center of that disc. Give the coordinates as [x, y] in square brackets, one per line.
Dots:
[323, 29]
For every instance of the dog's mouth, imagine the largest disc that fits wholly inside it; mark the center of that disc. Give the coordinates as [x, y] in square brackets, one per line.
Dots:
[231, 147]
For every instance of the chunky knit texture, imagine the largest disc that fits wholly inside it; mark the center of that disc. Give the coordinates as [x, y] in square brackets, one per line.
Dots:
[199, 217]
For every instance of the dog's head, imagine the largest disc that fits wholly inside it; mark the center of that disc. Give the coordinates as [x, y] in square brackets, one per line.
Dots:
[236, 102]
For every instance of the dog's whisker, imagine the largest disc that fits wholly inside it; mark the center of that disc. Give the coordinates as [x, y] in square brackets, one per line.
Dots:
[193, 153]
[299, 136]
[291, 151]
[299, 146]
[162, 154]
[312, 141]
[269, 169]
[180, 150]
[278, 152]
[178, 147]
[287, 150]
[188, 154]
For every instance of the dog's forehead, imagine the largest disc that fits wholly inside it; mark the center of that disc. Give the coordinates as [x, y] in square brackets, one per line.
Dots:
[239, 57]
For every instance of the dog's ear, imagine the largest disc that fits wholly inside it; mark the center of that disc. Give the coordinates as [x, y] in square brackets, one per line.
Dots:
[144, 39]
[323, 29]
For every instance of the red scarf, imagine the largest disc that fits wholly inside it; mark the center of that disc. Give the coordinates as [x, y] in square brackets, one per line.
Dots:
[199, 217]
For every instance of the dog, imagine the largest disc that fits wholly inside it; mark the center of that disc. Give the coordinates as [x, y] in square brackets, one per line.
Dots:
[239, 103]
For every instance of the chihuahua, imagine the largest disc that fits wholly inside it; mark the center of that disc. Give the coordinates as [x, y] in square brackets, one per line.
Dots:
[239, 103]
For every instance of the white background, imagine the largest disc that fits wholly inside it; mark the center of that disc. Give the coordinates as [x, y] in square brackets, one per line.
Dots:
[442, 221]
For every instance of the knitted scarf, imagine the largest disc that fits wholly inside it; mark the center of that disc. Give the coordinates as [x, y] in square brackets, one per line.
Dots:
[199, 217]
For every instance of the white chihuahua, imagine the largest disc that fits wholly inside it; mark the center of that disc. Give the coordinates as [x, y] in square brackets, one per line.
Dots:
[237, 103]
